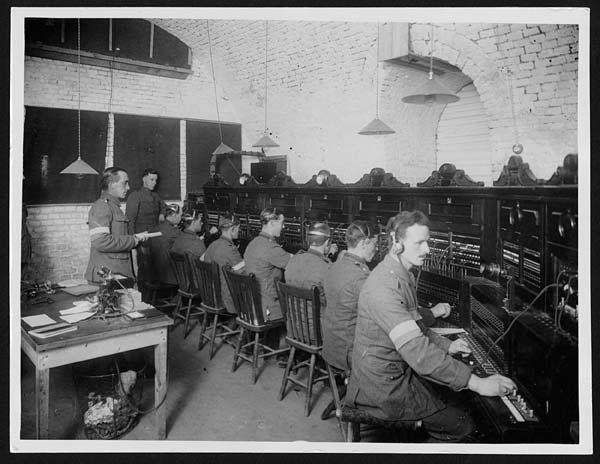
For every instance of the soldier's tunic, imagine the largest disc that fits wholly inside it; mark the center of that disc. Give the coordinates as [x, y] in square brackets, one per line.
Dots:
[395, 355]
[307, 269]
[143, 208]
[266, 259]
[110, 243]
[189, 242]
[342, 284]
[222, 251]
[159, 252]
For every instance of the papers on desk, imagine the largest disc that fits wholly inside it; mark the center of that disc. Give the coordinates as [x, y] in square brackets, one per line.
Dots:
[38, 320]
[52, 330]
[71, 283]
[72, 318]
[447, 330]
[80, 311]
[131, 300]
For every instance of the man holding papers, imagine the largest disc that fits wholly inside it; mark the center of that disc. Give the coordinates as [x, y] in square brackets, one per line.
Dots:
[111, 243]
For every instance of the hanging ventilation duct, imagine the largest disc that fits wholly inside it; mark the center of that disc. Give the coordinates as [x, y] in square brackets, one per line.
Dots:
[395, 48]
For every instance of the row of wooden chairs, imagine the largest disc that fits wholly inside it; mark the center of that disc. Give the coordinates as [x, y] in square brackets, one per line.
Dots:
[199, 294]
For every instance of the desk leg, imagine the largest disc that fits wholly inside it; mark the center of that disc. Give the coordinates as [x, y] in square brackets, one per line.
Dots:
[42, 394]
[160, 388]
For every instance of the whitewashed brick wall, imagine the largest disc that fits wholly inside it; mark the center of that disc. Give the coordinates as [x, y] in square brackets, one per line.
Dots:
[321, 91]
[60, 241]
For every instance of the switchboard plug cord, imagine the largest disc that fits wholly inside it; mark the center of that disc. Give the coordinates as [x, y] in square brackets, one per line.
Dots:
[527, 308]
[566, 301]
[556, 310]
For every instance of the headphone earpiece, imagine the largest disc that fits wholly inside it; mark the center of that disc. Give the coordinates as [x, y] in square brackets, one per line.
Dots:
[397, 245]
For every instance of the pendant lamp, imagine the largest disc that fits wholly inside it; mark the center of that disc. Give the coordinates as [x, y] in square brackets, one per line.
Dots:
[79, 167]
[377, 126]
[222, 148]
[432, 92]
[266, 141]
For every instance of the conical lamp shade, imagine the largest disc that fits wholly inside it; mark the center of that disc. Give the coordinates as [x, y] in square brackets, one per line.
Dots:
[79, 168]
[431, 92]
[376, 127]
[265, 141]
[222, 148]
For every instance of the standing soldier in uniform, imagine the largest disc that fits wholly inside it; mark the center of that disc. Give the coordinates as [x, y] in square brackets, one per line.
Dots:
[111, 243]
[397, 359]
[145, 210]
[222, 251]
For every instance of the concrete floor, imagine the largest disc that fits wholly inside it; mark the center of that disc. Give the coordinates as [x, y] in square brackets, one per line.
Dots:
[205, 401]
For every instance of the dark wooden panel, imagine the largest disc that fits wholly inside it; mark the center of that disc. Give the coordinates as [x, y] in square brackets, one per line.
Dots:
[132, 38]
[202, 138]
[43, 30]
[169, 50]
[145, 142]
[50, 145]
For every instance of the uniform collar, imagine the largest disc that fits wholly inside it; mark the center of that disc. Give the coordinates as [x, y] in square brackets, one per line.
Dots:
[398, 269]
[267, 236]
[354, 257]
[190, 232]
[109, 198]
[317, 253]
[222, 237]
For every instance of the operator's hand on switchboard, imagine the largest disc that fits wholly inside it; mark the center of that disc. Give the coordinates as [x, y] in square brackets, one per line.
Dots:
[459, 346]
[441, 310]
[494, 385]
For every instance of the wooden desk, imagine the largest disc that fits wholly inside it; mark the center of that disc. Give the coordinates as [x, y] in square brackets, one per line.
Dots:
[93, 339]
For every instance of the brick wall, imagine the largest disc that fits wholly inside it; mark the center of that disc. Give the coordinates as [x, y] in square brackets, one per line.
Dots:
[59, 240]
[321, 91]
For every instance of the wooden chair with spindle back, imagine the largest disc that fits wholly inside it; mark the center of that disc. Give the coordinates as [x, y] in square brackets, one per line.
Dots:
[245, 293]
[206, 280]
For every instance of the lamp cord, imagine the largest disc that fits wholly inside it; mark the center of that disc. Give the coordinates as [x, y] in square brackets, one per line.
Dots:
[431, 54]
[377, 75]
[266, 55]
[78, 89]
[212, 68]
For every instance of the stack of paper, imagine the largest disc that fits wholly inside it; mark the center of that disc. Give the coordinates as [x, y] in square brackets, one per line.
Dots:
[81, 310]
[131, 300]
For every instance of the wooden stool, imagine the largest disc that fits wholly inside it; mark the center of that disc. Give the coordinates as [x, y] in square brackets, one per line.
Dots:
[354, 417]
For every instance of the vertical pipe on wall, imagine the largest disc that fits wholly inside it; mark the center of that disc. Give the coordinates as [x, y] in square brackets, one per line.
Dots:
[182, 159]
[110, 141]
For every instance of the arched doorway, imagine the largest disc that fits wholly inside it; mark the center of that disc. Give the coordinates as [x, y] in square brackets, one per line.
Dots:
[463, 136]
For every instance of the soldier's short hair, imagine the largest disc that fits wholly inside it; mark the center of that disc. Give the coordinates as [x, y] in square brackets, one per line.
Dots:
[227, 221]
[149, 171]
[318, 233]
[398, 224]
[110, 176]
[357, 231]
[171, 209]
[270, 214]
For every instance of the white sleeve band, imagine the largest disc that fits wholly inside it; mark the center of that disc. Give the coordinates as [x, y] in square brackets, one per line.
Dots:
[99, 230]
[404, 332]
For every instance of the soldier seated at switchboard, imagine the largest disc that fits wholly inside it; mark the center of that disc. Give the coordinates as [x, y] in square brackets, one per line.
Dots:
[307, 269]
[160, 246]
[399, 365]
